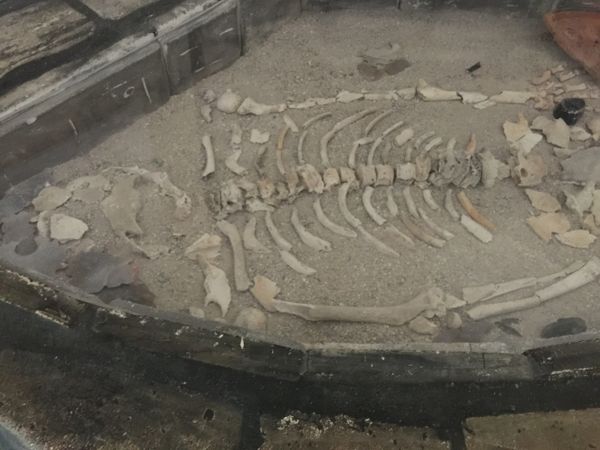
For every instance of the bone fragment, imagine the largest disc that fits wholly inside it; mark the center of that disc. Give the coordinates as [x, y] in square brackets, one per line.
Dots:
[355, 145]
[240, 274]
[290, 123]
[209, 96]
[472, 98]
[391, 202]
[343, 205]
[420, 233]
[311, 178]
[581, 201]
[385, 153]
[373, 214]
[475, 229]
[327, 223]
[514, 97]
[429, 200]
[228, 102]
[210, 156]
[435, 142]
[588, 273]
[385, 175]
[410, 203]
[204, 250]
[542, 201]
[265, 291]
[336, 128]
[474, 212]
[367, 175]
[574, 238]
[217, 288]
[376, 120]
[406, 171]
[379, 96]
[422, 138]
[251, 319]
[492, 169]
[432, 94]
[379, 245]
[471, 147]
[249, 106]
[421, 325]
[254, 205]
[249, 239]
[392, 128]
[275, 234]
[348, 97]
[434, 226]
[279, 150]
[406, 93]
[542, 78]
[422, 168]
[266, 188]
[331, 177]
[404, 136]
[347, 175]
[122, 206]
[206, 113]
[295, 264]
[300, 151]
[449, 205]
[232, 163]
[307, 237]
[562, 77]
[489, 291]
[258, 137]
[484, 104]
[315, 119]
[545, 225]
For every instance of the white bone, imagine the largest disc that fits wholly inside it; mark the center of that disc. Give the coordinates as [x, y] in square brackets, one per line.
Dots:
[295, 264]
[435, 142]
[327, 223]
[290, 123]
[475, 229]
[515, 97]
[348, 97]
[392, 128]
[406, 93]
[420, 233]
[240, 274]
[432, 94]
[376, 120]
[422, 138]
[470, 98]
[449, 205]
[217, 288]
[434, 226]
[311, 178]
[404, 136]
[275, 234]
[249, 238]
[210, 156]
[391, 202]
[258, 137]
[305, 126]
[410, 203]
[250, 106]
[339, 126]
[429, 200]
[406, 239]
[307, 237]
[372, 150]
[228, 102]
[331, 177]
[373, 214]
[343, 205]
[588, 273]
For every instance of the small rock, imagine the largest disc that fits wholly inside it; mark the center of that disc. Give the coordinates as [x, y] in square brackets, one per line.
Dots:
[65, 228]
[564, 327]
[198, 313]
[257, 137]
[576, 238]
[50, 198]
[229, 102]
[547, 224]
[453, 320]
[421, 325]
[252, 319]
[543, 201]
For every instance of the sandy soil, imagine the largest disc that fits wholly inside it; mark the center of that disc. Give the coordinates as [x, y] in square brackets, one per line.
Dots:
[317, 56]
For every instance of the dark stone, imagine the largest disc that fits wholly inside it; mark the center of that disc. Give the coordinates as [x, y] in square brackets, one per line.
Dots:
[26, 247]
[396, 66]
[369, 72]
[564, 327]
[93, 271]
[570, 110]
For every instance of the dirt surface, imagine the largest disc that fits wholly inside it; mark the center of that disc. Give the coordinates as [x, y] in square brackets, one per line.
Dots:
[317, 56]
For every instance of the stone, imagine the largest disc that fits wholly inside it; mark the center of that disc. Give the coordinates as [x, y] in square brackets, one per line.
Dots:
[582, 166]
[65, 228]
[565, 326]
[542, 201]
[50, 198]
[547, 224]
[93, 271]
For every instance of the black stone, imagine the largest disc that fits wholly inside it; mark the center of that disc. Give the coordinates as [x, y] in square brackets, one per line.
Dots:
[570, 110]
[564, 327]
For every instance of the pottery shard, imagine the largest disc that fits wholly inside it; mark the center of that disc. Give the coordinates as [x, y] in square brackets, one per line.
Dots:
[50, 198]
[545, 225]
[558, 133]
[65, 228]
[121, 208]
[576, 238]
[542, 201]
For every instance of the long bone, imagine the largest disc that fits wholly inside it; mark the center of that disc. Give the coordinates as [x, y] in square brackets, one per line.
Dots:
[306, 236]
[449, 205]
[328, 224]
[305, 126]
[391, 202]
[336, 129]
[410, 202]
[295, 264]
[434, 226]
[474, 212]
[240, 274]
[249, 237]
[429, 200]
[588, 273]
[420, 233]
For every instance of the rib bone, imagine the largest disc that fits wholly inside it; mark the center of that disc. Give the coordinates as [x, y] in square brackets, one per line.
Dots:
[381, 246]
[475, 229]
[449, 205]
[305, 128]
[373, 214]
[275, 234]
[343, 205]
[421, 234]
[356, 144]
[474, 212]
[429, 200]
[434, 226]
[307, 237]
[331, 226]
[410, 203]
[240, 274]
[293, 262]
[376, 120]
[391, 202]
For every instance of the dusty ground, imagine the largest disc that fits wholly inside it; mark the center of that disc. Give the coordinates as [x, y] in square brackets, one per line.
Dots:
[316, 56]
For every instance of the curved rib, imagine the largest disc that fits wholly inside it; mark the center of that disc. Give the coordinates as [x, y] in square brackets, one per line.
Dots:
[295, 264]
[434, 226]
[372, 150]
[336, 128]
[392, 128]
[420, 234]
[279, 150]
[381, 246]
[410, 203]
[449, 205]
[331, 226]
[373, 214]
[275, 234]
[376, 120]
[307, 237]
[429, 200]
[343, 205]
[474, 212]
[305, 128]
[355, 145]
[435, 142]
[391, 202]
